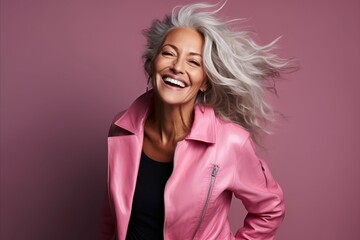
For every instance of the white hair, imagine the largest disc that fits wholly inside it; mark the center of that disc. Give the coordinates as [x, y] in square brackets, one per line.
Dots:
[238, 69]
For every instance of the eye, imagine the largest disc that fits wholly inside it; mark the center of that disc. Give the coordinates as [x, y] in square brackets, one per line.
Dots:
[195, 63]
[167, 53]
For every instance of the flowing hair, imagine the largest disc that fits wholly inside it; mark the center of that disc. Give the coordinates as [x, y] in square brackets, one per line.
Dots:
[238, 69]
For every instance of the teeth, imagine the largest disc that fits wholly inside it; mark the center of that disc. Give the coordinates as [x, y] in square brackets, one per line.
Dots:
[174, 81]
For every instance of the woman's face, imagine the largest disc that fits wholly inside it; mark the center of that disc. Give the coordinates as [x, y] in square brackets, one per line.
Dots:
[178, 68]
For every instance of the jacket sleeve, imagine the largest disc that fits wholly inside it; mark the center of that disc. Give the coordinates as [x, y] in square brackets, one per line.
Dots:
[107, 227]
[260, 194]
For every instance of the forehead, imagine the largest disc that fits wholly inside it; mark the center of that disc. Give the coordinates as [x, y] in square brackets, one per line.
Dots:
[185, 38]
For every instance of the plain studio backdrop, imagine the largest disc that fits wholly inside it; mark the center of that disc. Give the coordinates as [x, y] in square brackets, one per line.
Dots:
[67, 67]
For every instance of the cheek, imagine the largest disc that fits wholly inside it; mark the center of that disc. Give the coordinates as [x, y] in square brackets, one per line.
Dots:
[160, 63]
[157, 66]
[201, 78]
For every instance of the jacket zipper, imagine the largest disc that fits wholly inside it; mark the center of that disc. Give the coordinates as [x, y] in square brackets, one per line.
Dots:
[211, 185]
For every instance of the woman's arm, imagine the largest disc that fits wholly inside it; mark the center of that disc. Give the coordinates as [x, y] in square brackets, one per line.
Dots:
[107, 227]
[260, 194]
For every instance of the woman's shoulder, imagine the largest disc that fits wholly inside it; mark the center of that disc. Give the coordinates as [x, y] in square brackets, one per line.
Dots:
[227, 129]
[115, 130]
[131, 119]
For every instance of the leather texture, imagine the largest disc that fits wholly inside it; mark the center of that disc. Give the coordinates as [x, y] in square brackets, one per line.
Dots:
[193, 208]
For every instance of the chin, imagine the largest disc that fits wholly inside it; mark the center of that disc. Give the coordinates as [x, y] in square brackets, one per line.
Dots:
[172, 99]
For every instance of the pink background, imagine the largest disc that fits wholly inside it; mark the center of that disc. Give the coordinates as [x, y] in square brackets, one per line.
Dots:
[68, 66]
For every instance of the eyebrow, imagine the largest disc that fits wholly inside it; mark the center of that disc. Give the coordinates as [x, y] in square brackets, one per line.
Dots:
[176, 48]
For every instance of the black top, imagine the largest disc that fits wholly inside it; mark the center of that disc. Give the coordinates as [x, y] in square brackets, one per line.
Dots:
[147, 214]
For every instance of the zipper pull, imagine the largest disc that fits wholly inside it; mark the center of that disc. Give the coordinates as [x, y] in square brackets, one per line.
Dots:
[215, 170]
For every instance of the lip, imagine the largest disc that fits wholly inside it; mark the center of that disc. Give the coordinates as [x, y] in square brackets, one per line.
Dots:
[175, 78]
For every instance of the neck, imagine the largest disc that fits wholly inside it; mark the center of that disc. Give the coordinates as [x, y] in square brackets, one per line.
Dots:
[173, 123]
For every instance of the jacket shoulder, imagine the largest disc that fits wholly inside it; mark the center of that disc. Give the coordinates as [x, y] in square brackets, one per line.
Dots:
[115, 130]
[229, 130]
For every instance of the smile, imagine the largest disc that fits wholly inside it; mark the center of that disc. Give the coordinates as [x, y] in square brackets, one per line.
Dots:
[174, 82]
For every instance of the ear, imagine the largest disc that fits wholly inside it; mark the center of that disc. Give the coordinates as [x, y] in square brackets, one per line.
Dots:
[204, 85]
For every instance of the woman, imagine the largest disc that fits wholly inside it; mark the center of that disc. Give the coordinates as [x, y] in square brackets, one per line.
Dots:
[182, 149]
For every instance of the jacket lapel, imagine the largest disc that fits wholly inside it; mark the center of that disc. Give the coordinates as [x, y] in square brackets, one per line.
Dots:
[124, 152]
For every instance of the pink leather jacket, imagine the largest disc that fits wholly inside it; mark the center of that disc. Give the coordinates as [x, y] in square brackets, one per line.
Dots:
[215, 161]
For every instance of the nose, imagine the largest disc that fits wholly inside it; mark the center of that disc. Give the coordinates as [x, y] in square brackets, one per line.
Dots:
[177, 66]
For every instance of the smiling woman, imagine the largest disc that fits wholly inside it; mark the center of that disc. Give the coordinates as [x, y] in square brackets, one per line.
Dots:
[178, 77]
[178, 69]
[182, 149]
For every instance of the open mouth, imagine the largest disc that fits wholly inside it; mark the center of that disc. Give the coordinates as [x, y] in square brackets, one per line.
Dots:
[174, 82]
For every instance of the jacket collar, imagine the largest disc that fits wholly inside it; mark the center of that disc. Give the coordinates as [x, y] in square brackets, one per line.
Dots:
[133, 119]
